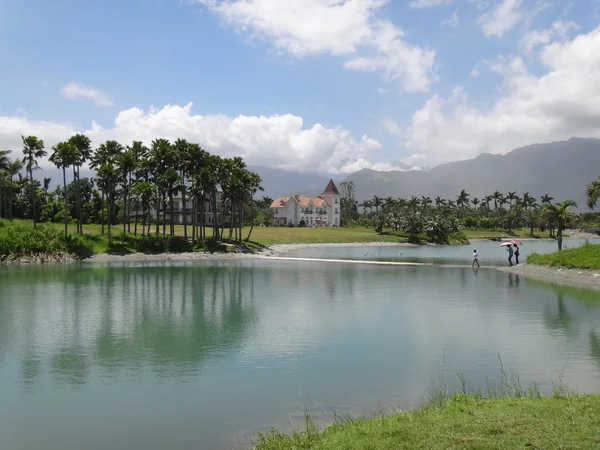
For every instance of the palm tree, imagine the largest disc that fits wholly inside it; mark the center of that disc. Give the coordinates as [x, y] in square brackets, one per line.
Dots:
[161, 158]
[253, 185]
[546, 199]
[377, 202]
[439, 201]
[84, 149]
[4, 186]
[181, 147]
[487, 200]
[141, 174]
[106, 154]
[497, 197]
[532, 217]
[13, 169]
[475, 202]
[47, 182]
[463, 199]
[426, 202]
[33, 149]
[511, 198]
[64, 155]
[593, 193]
[126, 164]
[561, 213]
[109, 176]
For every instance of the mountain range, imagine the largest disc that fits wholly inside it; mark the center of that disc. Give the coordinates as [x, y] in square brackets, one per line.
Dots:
[560, 169]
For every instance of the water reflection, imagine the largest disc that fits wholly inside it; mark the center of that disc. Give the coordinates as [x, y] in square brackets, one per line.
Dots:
[122, 319]
[559, 319]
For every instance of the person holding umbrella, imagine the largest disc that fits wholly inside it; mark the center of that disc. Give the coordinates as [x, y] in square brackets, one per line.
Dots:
[516, 254]
[509, 248]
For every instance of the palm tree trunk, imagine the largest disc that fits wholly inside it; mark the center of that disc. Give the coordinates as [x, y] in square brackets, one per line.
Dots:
[164, 224]
[129, 209]
[183, 205]
[33, 198]
[125, 212]
[202, 220]
[157, 201]
[215, 224]
[102, 212]
[193, 221]
[137, 207]
[251, 225]
[77, 202]
[10, 200]
[172, 228]
[66, 207]
[109, 211]
[560, 238]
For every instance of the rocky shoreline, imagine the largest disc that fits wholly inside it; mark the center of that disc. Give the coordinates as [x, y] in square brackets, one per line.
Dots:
[589, 279]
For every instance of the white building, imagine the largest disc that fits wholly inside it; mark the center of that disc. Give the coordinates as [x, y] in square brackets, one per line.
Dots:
[323, 210]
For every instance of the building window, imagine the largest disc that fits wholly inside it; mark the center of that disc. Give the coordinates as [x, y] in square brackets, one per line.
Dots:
[336, 221]
[336, 201]
[336, 211]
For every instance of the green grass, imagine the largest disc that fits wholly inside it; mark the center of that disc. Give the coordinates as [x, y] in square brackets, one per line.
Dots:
[463, 422]
[19, 239]
[522, 233]
[585, 257]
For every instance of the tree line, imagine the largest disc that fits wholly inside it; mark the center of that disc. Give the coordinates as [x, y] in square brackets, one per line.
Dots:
[440, 217]
[131, 181]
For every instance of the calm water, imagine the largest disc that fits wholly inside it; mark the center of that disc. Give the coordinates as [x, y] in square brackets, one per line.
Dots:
[197, 355]
[490, 252]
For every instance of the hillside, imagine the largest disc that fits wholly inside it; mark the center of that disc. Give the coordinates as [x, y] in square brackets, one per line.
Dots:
[561, 169]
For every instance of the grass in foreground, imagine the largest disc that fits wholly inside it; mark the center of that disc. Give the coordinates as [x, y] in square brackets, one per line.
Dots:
[463, 422]
[585, 257]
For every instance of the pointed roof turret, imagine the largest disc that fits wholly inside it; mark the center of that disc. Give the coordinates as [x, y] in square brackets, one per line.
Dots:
[331, 189]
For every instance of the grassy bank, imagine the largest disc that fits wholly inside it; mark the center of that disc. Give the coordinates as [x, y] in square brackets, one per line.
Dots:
[461, 422]
[585, 257]
[19, 239]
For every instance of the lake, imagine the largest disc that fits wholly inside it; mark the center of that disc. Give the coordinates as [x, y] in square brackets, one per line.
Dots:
[202, 354]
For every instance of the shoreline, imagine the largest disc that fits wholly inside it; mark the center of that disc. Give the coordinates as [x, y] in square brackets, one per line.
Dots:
[578, 278]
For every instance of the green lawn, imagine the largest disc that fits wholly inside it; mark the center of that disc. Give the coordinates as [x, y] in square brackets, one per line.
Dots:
[465, 422]
[585, 257]
[522, 233]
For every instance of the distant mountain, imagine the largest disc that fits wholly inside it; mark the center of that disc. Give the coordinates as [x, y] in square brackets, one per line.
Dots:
[280, 183]
[561, 169]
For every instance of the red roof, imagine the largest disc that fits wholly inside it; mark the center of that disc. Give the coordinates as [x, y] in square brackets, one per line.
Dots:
[301, 199]
[331, 188]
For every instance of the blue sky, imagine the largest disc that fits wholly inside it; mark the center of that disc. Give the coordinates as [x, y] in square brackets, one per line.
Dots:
[318, 85]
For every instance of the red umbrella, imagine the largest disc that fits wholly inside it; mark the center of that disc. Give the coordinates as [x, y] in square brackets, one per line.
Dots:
[516, 242]
[506, 244]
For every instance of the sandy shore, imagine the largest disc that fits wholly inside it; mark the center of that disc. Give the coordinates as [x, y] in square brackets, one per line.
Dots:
[570, 277]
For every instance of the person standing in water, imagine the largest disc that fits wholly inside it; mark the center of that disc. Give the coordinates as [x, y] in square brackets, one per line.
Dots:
[475, 258]
[516, 254]
[510, 254]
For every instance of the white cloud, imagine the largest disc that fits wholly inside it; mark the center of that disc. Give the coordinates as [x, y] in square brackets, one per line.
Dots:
[280, 141]
[562, 103]
[348, 28]
[74, 91]
[533, 39]
[452, 21]
[382, 91]
[502, 18]
[427, 3]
